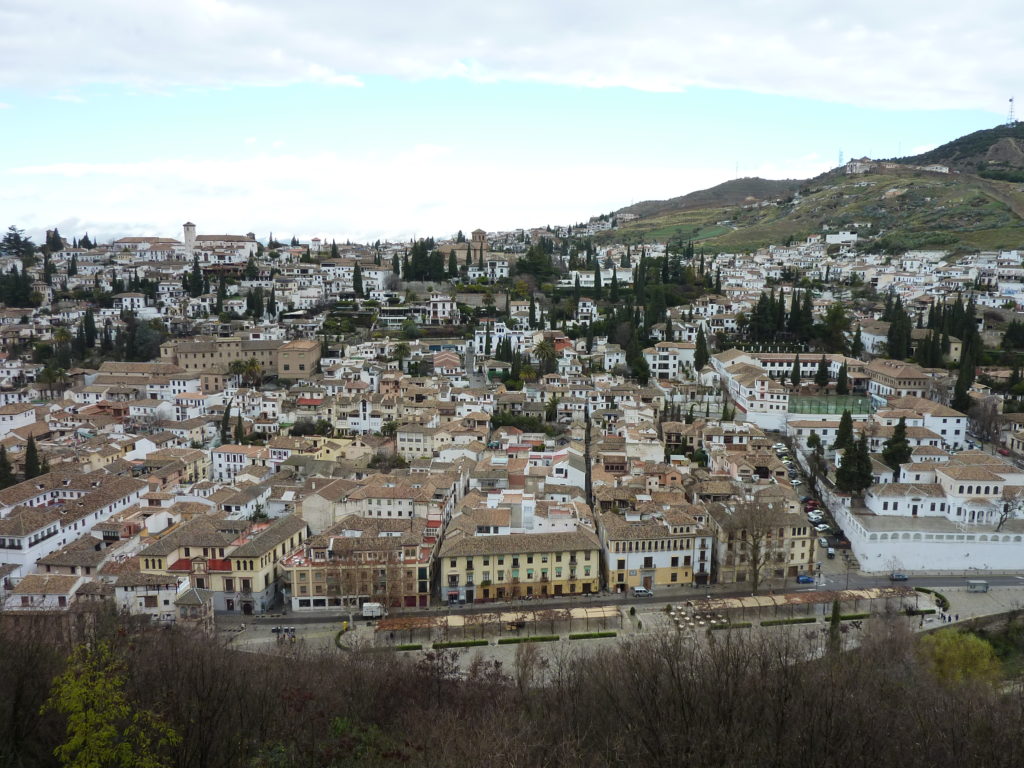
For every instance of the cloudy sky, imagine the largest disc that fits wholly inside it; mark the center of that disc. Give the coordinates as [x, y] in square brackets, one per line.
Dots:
[363, 120]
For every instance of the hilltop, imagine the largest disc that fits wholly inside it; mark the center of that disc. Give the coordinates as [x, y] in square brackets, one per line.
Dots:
[996, 153]
[733, 192]
[897, 204]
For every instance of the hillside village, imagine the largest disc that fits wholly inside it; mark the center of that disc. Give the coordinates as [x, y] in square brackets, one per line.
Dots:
[221, 425]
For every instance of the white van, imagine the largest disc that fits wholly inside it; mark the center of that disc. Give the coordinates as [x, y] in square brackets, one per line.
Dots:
[642, 592]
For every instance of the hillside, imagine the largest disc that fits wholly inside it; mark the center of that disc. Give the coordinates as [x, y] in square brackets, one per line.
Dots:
[992, 153]
[979, 207]
[733, 192]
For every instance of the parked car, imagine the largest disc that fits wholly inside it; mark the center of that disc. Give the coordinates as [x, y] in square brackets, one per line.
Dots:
[812, 503]
[796, 483]
[1003, 452]
[822, 527]
[803, 578]
[815, 517]
[642, 592]
[898, 577]
[807, 500]
[831, 553]
[823, 542]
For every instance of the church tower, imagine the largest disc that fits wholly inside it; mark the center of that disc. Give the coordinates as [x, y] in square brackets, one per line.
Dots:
[190, 238]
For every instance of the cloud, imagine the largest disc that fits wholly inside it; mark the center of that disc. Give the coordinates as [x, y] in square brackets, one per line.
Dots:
[4, 105]
[330, 195]
[863, 52]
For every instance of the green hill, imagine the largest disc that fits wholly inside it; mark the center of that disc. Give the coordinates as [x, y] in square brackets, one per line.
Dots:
[978, 206]
[992, 153]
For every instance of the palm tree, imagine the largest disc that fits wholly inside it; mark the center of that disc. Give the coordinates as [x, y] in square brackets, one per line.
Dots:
[249, 371]
[253, 373]
[546, 354]
[237, 368]
[401, 353]
[46, 376]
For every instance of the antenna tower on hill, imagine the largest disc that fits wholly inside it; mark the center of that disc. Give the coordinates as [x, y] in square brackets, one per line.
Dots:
[1011, 119]
[840, 158]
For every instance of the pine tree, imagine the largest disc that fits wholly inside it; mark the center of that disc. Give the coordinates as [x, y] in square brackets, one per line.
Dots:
[896, 450]
[844, 434]
[32, 468]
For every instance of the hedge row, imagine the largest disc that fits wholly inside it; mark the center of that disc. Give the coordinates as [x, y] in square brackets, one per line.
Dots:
[410, 647]
[781, 622]
[535, 639]
[592, 635]
[920, 611]
[460, 644]
[940, 599]
[854, 616]
[737, 625]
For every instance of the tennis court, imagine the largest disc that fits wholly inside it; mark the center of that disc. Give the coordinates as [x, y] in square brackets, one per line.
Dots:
[829, 404]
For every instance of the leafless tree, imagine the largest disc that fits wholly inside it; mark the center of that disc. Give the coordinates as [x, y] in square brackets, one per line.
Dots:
[757, 533]
[985, 420]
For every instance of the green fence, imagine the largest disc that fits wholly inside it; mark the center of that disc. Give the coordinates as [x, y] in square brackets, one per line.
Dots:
[829, 404]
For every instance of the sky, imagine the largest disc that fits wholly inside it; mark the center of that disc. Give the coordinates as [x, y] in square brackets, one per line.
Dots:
[361, 121]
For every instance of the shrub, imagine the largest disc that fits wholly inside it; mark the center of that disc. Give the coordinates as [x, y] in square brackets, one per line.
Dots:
[460, 644]
[410, 647]
[534, 639]
[632, 610]
[781, 622]
[592, 635]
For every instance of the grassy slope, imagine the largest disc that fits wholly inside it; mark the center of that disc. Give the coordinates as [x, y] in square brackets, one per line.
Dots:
[931, 210]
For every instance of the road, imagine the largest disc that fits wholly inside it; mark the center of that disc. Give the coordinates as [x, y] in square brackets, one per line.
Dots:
[828, 581]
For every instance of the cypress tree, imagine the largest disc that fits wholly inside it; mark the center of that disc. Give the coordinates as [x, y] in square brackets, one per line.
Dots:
[794, 374]
[597, 283]
[844, 434]
[32, 468]
[89, 323]
[896, 450]
[700, 353]
[225, 422]
[857, 347]
[7, 478]
[842, 381]
[961, 399]
[821, 375]
[357, 281]
[239, 430]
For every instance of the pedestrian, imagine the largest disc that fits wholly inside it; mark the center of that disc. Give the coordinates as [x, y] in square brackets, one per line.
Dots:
[958, 617]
